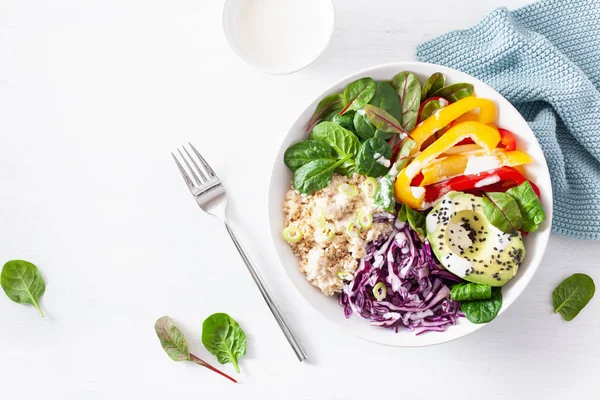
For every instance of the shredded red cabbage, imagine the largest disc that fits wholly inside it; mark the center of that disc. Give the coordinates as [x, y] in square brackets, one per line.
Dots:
[418, 294]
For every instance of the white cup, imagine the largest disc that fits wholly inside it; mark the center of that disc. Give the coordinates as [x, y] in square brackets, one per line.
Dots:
[278, 36]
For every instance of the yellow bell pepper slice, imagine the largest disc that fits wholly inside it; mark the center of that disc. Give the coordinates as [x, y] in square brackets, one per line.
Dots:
[442, 117]
[454, 165]
[483, 135]
[468, 116]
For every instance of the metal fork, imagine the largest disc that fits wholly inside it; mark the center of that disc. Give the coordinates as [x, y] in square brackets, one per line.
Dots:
[209, 192]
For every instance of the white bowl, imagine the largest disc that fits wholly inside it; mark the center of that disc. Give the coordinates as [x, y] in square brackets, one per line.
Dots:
[301, 53]
[535, 243]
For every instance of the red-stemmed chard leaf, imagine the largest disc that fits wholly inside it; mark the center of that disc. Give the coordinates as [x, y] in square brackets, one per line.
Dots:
[383, 120]
[408, 88]
[357, 94]
[331, 103]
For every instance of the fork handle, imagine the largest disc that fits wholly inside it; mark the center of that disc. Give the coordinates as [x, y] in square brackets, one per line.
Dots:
[292, 339]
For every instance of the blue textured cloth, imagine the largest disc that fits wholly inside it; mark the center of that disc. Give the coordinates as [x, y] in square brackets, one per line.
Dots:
[545, 59]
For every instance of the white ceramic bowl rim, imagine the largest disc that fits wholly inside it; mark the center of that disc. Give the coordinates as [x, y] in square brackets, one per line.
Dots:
[229, 13]
[508, 117]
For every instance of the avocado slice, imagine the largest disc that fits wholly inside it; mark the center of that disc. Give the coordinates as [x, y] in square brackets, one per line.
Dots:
[468, 245]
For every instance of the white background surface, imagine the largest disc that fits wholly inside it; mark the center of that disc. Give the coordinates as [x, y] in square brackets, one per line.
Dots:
[93, 96]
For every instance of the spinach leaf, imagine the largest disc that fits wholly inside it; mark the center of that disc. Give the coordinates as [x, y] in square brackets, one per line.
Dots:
[502, 211]
[407, 146]
[430, 107]
[383, 120]
[306, 151]
[383, 135]
[384, 195]
[402, 214]
[23, 283]
[482, 311]
[315, 175]
[175, 345]
[373, 158]
[416, 220]
[346, 121]
[530, 206]
[408, 88]
[357, 94]
[434, 83]
[223, 337]
[330, 116]
[330, 104]
[362, 126]
[344, 142]
[386, 98]
[572, 295]
[470, 291]
[455, 92]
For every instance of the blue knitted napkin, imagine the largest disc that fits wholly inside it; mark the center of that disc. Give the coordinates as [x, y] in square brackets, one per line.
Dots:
[545, 59]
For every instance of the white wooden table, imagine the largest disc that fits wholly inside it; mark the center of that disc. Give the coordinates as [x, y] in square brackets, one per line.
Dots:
[93, 96]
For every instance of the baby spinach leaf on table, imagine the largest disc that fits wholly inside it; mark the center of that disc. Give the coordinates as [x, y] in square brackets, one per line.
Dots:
[383, 120]
[23, 283]
[470, 291]
[530, 206]
[572, 295]
[344, 142]
[430, 107]
[434, 83]
[175, 345]
[455, 92]
[306, 151]
[482, 311]
[315, 175]
[502, 211]
[331, 103]
[357, 94]
[223, 337]
[408, 88]
[362, 126]
[346, 121]
[387, 99]
[372, 157]
[416, 220]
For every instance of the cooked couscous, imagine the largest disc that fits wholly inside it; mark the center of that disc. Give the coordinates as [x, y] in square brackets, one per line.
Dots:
[335, 225]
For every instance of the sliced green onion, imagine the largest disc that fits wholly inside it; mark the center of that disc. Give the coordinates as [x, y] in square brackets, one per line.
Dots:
[380, 291]
[345, 275]
[348, 189]
[318, 216]
[325, 233]
[365, 219]
[292, 234]
[370, 186]
[353, 229]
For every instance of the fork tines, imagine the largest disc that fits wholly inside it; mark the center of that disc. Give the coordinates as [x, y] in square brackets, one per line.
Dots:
[199, 174]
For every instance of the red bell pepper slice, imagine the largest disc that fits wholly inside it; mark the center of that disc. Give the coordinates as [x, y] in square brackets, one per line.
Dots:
[467, 183]
[507, 139]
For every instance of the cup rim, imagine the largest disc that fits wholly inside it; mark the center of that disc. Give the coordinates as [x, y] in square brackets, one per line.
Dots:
[227, 26]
